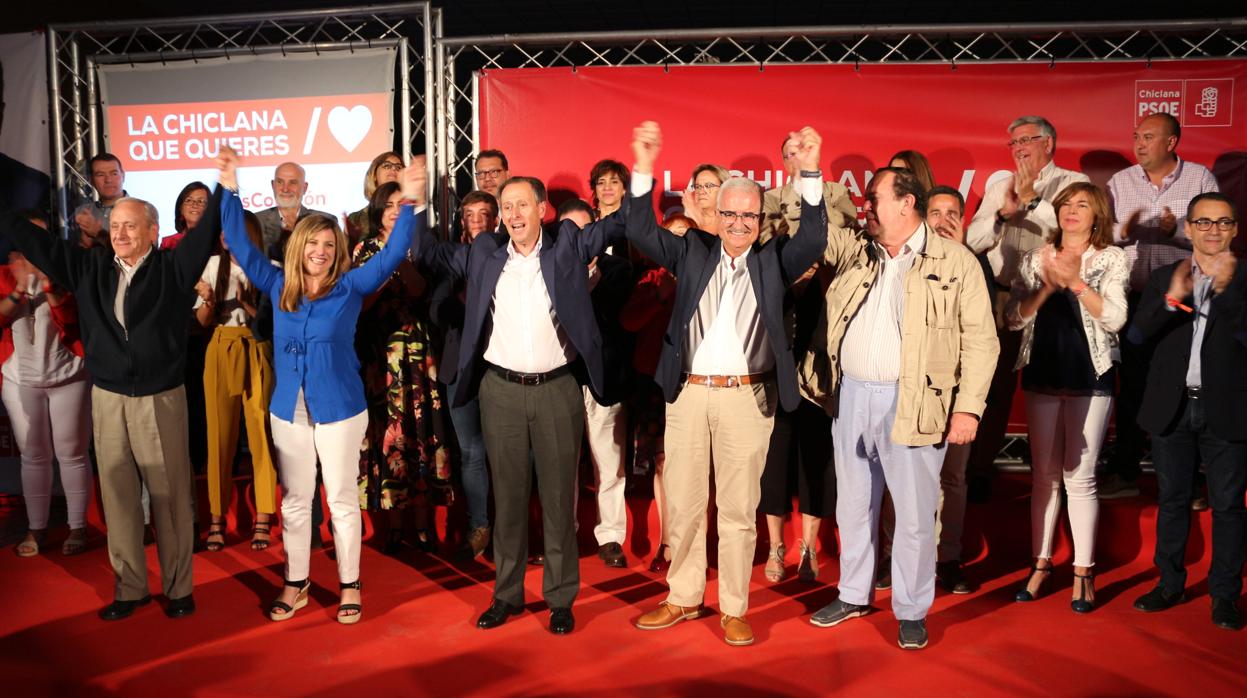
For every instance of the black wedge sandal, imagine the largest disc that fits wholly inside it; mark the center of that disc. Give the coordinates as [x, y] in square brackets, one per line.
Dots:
[216, 530]
[280, 610]
[345, 616]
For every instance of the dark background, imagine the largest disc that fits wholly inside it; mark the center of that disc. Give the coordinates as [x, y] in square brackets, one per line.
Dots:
[475, 17]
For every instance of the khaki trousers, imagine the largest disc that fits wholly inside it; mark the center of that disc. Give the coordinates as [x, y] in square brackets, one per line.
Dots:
[734, 426]
[142, 441]
[238, 375]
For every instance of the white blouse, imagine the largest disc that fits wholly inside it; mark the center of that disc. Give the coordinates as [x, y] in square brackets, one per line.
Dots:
[1107, 272]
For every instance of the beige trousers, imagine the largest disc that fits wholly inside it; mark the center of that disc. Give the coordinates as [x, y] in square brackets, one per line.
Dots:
[730, 427]
[142, 441]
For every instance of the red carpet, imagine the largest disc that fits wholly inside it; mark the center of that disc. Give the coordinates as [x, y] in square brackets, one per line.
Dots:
[417, 636]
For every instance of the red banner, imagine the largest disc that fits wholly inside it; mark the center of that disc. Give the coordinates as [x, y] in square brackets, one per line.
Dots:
[556, 123]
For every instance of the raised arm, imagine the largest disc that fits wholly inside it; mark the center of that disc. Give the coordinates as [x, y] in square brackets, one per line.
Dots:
[642, 228]
[254, 262]
[370, 277]
[62, 261]
[191, 255]
[593, 239]
[810, 241]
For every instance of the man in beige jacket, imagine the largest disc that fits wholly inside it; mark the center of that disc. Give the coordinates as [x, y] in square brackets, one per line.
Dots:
[904, 368]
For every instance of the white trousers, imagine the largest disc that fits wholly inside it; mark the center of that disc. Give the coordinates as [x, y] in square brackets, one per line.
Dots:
[1065, 436]
[299, 444]
[606, 429]
[866, 459]
[40, 437]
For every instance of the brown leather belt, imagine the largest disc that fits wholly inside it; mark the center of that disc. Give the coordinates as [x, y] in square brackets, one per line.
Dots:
[529, 378]
[728, 381]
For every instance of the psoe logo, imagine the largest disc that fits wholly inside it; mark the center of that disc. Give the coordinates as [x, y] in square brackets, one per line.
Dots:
[1209, 102]
[1195, 102]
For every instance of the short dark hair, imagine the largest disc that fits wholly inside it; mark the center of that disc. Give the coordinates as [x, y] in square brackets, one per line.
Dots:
[479, 197]
[573, 205]
[376, 205]
[1210, 196]
[103, 157]
[945, 190]
[538, 188]
[906, 183]
[605, 167]
[493, 153]
[917, 163]
[1171, 123]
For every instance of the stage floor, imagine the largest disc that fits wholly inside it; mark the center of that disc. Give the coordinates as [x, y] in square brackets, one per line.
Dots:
[418, 634]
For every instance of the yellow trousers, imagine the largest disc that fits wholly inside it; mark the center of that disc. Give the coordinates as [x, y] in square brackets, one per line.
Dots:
[237, 374]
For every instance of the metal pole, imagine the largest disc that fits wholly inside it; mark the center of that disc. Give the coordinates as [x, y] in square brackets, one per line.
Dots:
[76, 97]
[404, 100]
[1166, 26]
[430, 97]
[93, 133]
[61, 212]
[157, 24]
[442, 96]
[153, 56]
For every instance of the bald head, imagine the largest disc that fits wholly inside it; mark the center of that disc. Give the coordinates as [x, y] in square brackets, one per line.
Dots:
[289, 185]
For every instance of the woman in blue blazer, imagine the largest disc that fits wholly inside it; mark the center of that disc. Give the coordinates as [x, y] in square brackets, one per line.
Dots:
[318, 409]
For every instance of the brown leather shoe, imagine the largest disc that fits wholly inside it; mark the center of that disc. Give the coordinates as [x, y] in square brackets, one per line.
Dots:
[667, 615]
[736, 631]
[478, 540]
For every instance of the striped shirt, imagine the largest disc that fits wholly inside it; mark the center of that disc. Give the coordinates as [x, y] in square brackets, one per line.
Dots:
[871, 350]
[1133, 193]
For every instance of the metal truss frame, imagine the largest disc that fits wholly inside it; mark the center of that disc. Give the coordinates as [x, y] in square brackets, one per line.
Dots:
[75, 50]
[460, 60]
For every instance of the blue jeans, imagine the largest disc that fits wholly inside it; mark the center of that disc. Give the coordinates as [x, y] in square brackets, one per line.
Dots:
[475, 473]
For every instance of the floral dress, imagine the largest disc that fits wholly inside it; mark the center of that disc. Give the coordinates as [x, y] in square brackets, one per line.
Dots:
[404, 451]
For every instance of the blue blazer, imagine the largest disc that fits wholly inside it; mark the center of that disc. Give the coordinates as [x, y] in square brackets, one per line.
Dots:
[314, 347]
[565, 252]
[692, 259]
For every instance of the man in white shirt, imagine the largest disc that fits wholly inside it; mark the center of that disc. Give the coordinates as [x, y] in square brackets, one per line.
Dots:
[1015, 217]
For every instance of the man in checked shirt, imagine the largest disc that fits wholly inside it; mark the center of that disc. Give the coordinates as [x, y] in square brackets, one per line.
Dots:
[1147, 200]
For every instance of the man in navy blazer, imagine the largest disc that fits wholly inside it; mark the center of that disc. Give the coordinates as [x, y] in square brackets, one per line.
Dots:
[528, 332]
[1195, 405]
[726, 364]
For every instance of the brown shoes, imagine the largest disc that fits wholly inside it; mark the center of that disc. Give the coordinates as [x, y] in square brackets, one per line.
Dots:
[667, 615]
[736, 631]
[478, 540]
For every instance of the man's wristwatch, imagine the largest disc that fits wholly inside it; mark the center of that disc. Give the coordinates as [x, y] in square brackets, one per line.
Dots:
[811, 173]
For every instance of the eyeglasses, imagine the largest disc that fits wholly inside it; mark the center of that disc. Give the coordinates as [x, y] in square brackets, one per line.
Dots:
[707, 187]
[489, 174]
[748, 217]
[195, 203]
[1024, 140]
[391, 166]
[1223, 224]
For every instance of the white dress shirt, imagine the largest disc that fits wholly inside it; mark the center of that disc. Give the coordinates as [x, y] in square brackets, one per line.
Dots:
[871, 350]
[527, 337]
[1006, 243]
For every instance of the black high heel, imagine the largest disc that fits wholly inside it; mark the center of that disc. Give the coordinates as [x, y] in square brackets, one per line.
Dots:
[1024, 594]
[349, 618]
[1081, 604]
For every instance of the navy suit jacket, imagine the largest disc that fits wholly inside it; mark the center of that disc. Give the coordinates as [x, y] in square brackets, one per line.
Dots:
[1222, 356]
[692, 259]
[565, 252]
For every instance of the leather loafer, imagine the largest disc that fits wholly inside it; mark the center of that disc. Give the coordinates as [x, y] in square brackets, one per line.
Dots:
[562, 621]
[667, 615]
[1225, 614]
[496, 614]
[612, 554]
[179, 608]
[1158, 600]
[123, 609]
[736, 631]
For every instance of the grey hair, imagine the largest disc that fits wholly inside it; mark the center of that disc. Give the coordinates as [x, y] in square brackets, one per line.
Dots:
[739, 184]
[1045, 127]
[90, 207]
[153, 216]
